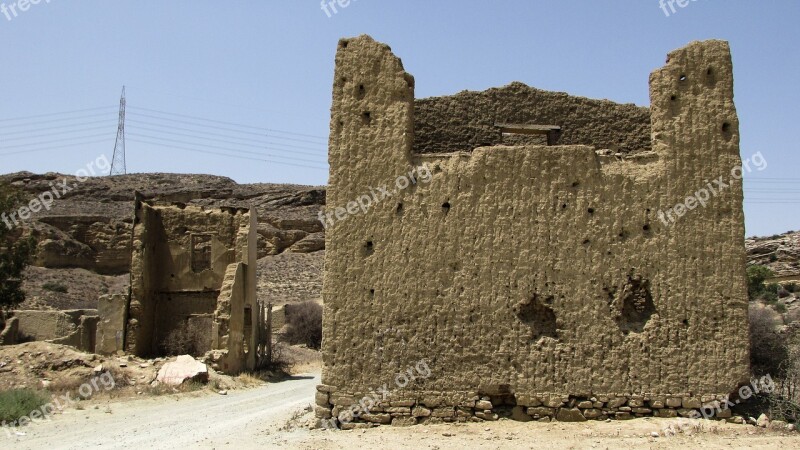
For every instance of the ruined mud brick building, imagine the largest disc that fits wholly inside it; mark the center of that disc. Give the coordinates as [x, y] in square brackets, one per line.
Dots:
[194, 269]
[533, 278]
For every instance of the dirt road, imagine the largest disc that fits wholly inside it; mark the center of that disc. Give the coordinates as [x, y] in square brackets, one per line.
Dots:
[275, 416]
[195, 421]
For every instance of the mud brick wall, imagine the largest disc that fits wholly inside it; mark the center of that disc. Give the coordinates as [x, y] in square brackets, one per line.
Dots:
[536, 278]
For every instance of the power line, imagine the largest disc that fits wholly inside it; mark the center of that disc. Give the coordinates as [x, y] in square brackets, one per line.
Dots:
[54, 142]
[96, 122]
[269, 130]
[228, 155]
[263, 146]
[83, 130]
[66, 119]
[55, 114]
[223, 148]
[227, 136]
[49, 148]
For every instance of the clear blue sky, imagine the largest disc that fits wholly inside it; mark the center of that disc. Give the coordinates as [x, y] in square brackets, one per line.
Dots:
[269, 65]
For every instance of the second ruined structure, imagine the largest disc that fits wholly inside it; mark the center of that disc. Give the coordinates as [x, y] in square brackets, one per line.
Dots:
[194, 269]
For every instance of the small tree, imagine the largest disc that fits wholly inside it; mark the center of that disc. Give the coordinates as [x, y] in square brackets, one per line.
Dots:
[756, 275]
[15, 252]
[304, 324]
[768, 350]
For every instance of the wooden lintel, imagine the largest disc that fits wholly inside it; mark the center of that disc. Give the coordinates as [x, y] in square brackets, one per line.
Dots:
[527, 129]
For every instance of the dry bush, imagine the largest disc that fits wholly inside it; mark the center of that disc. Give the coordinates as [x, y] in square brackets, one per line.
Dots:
[784, 402]
[248, 379]
[281, 362]
[67, 383]
[768, 350]
[185, 340]
[304, 324]
[793, 316]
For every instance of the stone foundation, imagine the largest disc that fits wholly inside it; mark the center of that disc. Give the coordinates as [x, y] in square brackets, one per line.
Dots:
[333, 408]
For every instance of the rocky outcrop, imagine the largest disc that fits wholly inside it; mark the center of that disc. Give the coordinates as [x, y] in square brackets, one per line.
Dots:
[89, 225]
[781, 253]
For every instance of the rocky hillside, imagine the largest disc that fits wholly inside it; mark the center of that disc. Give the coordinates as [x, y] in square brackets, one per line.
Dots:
[781, 253]
[84, 238]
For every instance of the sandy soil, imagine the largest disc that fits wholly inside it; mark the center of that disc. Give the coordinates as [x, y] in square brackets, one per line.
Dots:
[516, 435]
[278, 416]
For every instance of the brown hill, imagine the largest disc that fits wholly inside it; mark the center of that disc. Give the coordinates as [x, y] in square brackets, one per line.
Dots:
[781, 253]
[84, 238]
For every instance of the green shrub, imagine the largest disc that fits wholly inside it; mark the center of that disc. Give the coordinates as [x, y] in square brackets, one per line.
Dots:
[773, 287]
[755, 280]
[791, 287]
[780, 307]
[769, 297]
[773, 258]
[17, 403]
[55, 287]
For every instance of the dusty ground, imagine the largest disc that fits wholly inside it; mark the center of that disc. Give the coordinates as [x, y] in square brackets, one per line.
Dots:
[516, 435]
[199, 420]
[277, 416]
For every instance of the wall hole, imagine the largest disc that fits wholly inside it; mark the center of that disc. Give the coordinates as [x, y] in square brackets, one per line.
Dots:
[590, 210]
[362, 91]
[711, 78]
[399, 209]
[537, 313]
[446, 207]
[634, 305]
[366, 118]
[369, 248]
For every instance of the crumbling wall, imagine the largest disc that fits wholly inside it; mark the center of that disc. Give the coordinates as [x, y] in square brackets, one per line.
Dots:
[539, 277]
[76, 328]
[193, 268]
[10, 333]
[467, 120]
[112, 312]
